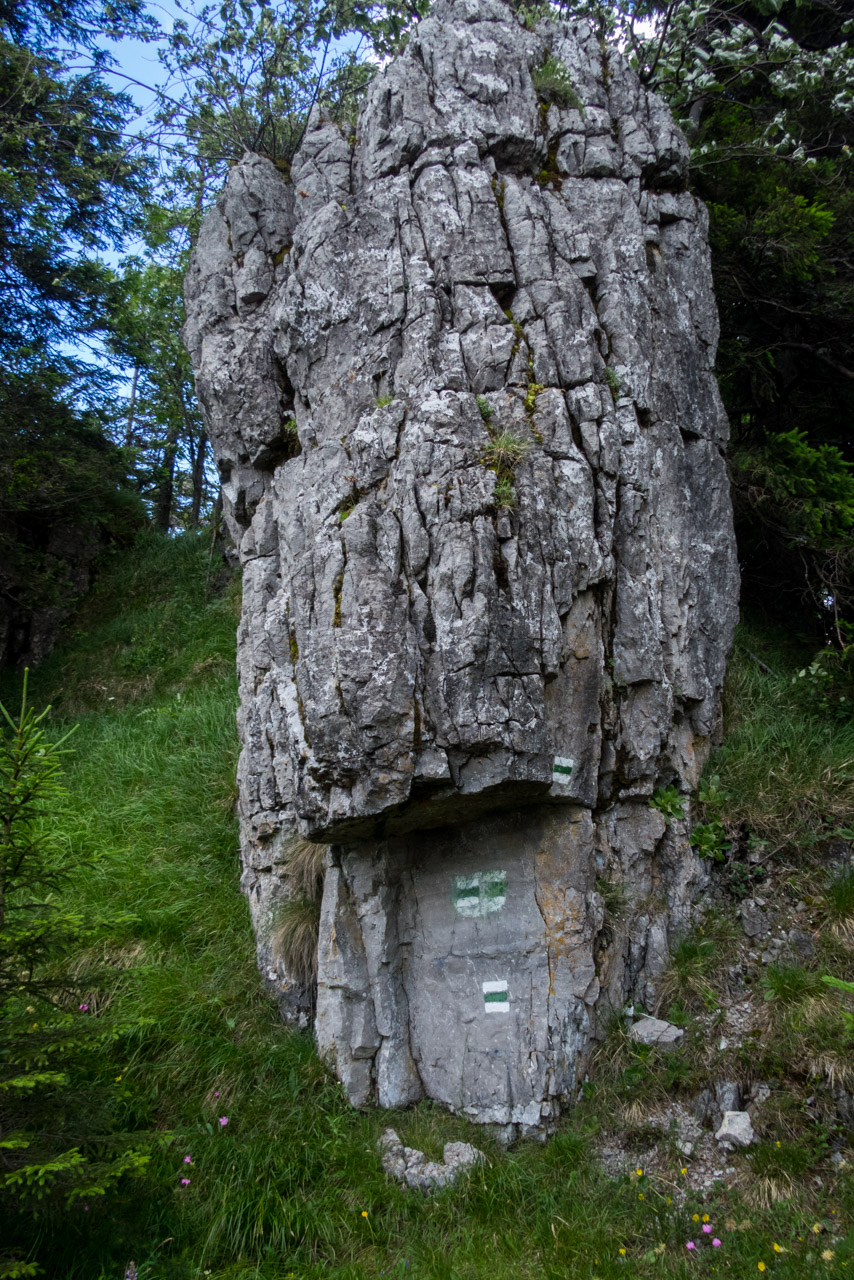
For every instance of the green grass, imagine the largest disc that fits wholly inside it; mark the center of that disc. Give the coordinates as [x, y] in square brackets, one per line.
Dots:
[291, 1185]
[786, 770]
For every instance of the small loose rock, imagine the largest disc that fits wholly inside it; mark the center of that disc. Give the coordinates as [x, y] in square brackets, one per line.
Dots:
[654, 1031]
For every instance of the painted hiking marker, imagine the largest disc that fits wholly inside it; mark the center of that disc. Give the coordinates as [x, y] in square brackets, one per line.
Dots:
[562, 770]
[479, 894]
[496, 998]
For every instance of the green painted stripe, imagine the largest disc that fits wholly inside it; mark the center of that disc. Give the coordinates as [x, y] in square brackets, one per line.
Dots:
[495, 997]
[562, 768]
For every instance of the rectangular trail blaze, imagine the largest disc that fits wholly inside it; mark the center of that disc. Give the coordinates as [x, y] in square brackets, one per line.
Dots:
[562, 769]
[495, 997]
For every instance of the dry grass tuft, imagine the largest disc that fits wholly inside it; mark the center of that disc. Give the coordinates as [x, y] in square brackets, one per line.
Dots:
[304, 861]
[766, 1190]
[293, 938]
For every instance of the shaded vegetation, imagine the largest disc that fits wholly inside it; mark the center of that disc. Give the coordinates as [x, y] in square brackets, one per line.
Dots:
[181, 1058]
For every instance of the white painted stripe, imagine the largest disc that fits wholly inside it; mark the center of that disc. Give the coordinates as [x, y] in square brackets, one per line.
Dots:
[493, 986]
[562, 770]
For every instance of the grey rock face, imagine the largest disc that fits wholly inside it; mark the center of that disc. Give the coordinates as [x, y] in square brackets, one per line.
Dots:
[458, 375]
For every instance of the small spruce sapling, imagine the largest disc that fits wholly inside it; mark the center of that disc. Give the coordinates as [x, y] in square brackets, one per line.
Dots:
[60, 1136]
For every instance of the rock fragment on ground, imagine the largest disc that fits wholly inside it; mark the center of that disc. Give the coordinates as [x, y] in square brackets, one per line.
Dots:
[735, 1130]
[412, 1167]
[656, 1032]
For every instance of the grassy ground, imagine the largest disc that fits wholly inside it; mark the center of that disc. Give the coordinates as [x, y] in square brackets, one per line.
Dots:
[283, 1177]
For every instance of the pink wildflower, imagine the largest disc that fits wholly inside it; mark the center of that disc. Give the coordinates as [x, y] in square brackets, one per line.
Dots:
[185, 1182]
[690, 1245]
[223, 1121]
[716, 1242]
[188, 1159]
[707, 1229]
[83, 1008]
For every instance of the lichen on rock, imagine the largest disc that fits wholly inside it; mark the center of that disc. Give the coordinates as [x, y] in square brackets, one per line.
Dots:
[490, 581]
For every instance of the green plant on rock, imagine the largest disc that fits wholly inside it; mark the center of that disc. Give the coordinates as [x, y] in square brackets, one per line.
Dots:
[531, 14]
[486, 410]
[504, 453]
[709, 839]
[614, 381]
[534, 389]
[553, 85]
[504, 494]
[668, 801]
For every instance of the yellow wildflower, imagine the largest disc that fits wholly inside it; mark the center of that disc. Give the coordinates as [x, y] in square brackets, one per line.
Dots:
[696, 1217]
[683, 1170]
[705, 1217]
[364, 1213]
[622, 1253]
[817, 1228]
[641, 1195]
[778, 1248]
[761, 1266]
[639, 1172]
[827, 1255]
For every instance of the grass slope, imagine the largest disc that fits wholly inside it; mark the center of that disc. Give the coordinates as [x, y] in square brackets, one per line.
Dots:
[284, 1179]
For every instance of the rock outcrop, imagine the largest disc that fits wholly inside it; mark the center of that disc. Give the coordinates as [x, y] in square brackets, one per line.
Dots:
[458, 373]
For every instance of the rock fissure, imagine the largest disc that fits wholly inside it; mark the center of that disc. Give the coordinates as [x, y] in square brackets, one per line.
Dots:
[486, 668]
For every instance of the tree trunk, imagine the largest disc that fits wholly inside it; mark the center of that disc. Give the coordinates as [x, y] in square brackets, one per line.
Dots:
[163, 501]
[132, 407]
[198, 481]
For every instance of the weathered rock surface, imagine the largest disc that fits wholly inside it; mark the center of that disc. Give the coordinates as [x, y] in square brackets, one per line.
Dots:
[459, 378]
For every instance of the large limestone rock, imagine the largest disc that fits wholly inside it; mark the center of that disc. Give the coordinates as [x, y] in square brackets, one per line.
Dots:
[458, 372]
